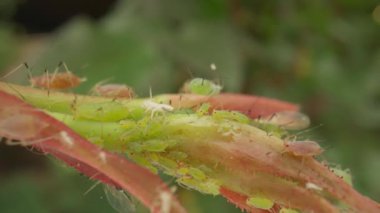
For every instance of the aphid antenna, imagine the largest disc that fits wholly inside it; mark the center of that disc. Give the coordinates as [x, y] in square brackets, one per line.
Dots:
[191, 74]
[180, 101]
[16, 91]
[150, 93]
[92, 187]
[271, 210]
[100, 83]
[25, 64]
[93, 177]
[27, 143]
[35, 150]
[305, 131]
[302, 165]
[16, 69]
[61, 63]
[214, 69]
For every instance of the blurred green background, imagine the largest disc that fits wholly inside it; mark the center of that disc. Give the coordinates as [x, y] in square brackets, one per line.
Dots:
[324, 55]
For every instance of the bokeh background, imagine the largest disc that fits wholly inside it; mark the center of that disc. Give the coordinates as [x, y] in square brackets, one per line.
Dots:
[324, 55]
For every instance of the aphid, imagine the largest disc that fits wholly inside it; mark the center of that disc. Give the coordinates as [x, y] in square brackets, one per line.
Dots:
[286, 210]
[260, 202]
[119, 200]
[114, 91]
[290, 120]
[230, 115]
[303, 148]
[26, 128]
[66, 138]
[313, 186]
[20, 126]
[344, 174]
[201, 86]
[213, 67]
[57, 80]
[166, 202]
[154, 107]
[103, 157]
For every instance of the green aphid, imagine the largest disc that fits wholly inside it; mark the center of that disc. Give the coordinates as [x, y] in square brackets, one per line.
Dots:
[149, 128]
[205, 169]
[96, 140]
[210, 186]
[143, 161]
[191, 172]
[169, 165]
[230, 115]
[271, 129]
[177, 155]
[120, 200]
[345, 174]
[158, 145]
[286, 210]
[202, 86]
[203, 109]
[107, 111]
[128, 124]
[183, 171]
[260, 203]
[135, 109]
[197, 174]
[152, 145]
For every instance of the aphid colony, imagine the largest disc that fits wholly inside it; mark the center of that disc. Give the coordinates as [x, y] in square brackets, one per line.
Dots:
[286, 120]
[148, 151]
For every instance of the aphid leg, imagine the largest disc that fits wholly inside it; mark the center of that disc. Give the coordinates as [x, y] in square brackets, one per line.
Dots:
[34, 150]
[28, 72]
[73, 104]
[272, 116]
[60, 64]
[302, 164]
[92, 187]
[48, 80]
